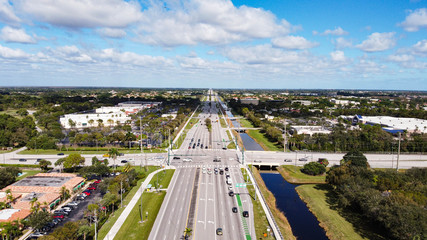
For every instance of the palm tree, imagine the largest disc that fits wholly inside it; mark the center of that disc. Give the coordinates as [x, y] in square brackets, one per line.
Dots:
[35, 205]
[187, 232]
[9, 197]
[65, 193]
[113, 153]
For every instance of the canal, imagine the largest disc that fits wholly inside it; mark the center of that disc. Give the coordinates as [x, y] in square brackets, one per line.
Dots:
[248, 142]
[303, 223]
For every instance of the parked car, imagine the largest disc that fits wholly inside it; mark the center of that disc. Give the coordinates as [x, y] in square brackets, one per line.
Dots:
[91, 188]
[97, 181]
[86, 193]
[60, 216]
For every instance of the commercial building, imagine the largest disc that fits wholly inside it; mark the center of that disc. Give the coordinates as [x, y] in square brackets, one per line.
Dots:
[105, 116]
[45, 187]
[393, 124]
[310, 130]
[253, 101]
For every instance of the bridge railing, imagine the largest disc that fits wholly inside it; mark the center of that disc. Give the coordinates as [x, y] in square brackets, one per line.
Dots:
[277, 233]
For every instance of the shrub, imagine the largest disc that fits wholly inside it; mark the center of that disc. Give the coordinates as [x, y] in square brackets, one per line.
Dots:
[313, 168]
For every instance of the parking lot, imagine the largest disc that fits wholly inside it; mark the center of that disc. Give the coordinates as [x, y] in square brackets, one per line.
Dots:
[76, 214]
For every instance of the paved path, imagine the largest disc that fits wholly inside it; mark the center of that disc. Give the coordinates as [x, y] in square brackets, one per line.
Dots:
[118, 224]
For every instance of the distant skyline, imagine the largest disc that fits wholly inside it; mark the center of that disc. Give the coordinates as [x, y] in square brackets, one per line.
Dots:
[286, 44]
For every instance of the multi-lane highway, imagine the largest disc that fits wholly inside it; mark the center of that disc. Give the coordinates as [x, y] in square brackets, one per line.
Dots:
[212, 205]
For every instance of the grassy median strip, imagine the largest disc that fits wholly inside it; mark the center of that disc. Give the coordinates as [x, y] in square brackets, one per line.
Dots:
[260, 219]
[86, 151]
[280, 218]
[113, 217]
[132, 228]
[318, 200]
[293, 174]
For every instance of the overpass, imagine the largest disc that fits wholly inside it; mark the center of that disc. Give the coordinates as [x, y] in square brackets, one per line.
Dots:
[243, 129]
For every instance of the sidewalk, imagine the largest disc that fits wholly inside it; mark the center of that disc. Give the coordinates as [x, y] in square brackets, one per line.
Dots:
[118, 224]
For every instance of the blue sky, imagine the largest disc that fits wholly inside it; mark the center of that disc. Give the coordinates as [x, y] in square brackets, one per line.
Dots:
[328, 44]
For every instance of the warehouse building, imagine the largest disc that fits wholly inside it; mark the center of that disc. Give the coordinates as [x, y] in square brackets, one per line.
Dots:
[393, 124]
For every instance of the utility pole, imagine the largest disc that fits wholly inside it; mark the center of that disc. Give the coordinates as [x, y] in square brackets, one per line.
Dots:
[284, 139]
[140, 132]
[169, 146]
[96, 221]
[398, 153]
[121, 193]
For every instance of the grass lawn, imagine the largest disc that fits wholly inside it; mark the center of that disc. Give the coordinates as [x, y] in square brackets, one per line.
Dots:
[27, 173]
[191, 123]
[164, 178]
[293, 174]
[223, 124]
[232, 145]
[132, 228]
[100, 151]
[151, 202]
[245, 123]
[113, 218]
[320, 201]
[280, 218]
[180, 140]
[263, 141]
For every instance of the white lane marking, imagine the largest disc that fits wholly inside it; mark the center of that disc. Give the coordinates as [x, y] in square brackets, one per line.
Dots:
[211, 222]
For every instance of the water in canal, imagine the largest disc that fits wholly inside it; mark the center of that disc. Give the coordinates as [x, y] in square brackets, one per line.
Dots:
[303, 223]
[248, 142]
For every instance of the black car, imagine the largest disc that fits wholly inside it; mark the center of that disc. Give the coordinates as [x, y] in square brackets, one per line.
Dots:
[176, 158]
[231, 194]
[221, 172]
[245, 214]
[22, 160]
[226, 168]
[124, 161]
[234, 209]
[60, 154]
[206, 147]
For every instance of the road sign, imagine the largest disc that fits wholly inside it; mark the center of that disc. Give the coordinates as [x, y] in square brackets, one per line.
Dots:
[242, 185]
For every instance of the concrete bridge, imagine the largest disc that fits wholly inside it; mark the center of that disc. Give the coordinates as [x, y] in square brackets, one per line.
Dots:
[265, 165]
[242, 129]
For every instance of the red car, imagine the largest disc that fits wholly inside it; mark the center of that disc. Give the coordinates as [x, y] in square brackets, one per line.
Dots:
[92, 188]
[86, 193]
[58, 216]
[97, 181]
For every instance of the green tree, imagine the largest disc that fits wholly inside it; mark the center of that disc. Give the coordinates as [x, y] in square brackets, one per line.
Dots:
[67, 232]
[39, 219]
[356, 158]
[313, 168]
[8, 176]
[73, 160]
[84, 230]
[113, 153]
[44, 164]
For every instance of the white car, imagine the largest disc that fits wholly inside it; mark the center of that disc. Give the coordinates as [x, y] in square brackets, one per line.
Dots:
[187, 160]
[230, 188]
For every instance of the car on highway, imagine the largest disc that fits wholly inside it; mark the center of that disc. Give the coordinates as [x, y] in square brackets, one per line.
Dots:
[22, 160]
[234, 209]
[257, 160]
[245, 214]
[221, 172]
[231, 193]
[304, 159]
[230, 188]
[38, 159]
[123, 161]
[60, 154]
[176, 158]
[219, 231]
[206, 147]
[288, 160]
[187, 160]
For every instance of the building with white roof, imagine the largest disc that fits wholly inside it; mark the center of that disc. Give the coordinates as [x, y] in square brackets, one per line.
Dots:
[310, 130]
[394, 124]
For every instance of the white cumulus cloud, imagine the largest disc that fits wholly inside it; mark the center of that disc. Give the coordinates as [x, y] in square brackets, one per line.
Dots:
[293, 42]
[338, 56]
[341, 43]
[215, 22]
[377, 42]
[9, 34]
[401, 58]
[415, 20]
[420, 48]
[83, 14]
[7, 15]
[10, 53]
[338, 31]
[111, 32]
